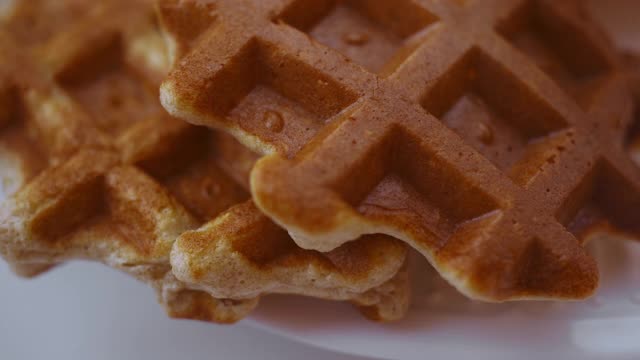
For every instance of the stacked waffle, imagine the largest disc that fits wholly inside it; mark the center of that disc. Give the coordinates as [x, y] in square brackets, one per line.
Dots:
[303, 146]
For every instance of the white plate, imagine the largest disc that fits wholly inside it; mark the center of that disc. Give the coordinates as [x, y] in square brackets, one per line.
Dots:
[84, 311]
[87, 311]
[443, 323]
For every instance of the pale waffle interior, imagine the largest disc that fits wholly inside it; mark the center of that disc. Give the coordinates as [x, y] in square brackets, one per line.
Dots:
[100, 172]
[488, 135]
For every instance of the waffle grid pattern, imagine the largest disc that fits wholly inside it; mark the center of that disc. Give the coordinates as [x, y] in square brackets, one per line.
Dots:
[80, 199]
[115, 179]
[486, 134]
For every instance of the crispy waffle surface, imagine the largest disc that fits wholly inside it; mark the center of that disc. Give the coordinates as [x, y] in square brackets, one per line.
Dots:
[490, 135]
[632, 61]
[93, 168]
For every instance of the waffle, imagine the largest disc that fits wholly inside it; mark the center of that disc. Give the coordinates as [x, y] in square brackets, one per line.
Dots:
[485, 134]
[95, 169]
[633, 136]
[633, 68]
[242, 254]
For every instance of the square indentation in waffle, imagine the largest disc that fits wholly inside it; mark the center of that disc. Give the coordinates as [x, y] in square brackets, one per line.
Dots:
[8, 104]
[633, 136]
[20, 157]
[497, 114]
[80, 197]
[201, 177]
[113, 93]
[415, 185]
[371, 33]
[558, 47]
[271, 93]
[429, 194]
[603, 198]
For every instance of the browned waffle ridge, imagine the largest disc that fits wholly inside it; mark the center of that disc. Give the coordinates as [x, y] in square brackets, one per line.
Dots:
[102, 173]
[485, 134]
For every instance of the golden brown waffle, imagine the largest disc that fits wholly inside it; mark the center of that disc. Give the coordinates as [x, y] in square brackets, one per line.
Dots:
[98, 171]
[276, 264]
[485, 134]
[632, 62]
[633, 136]
[72, 198]
[242, 254]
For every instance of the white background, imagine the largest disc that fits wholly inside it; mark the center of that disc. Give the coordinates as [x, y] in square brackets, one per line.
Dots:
[88, 311]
